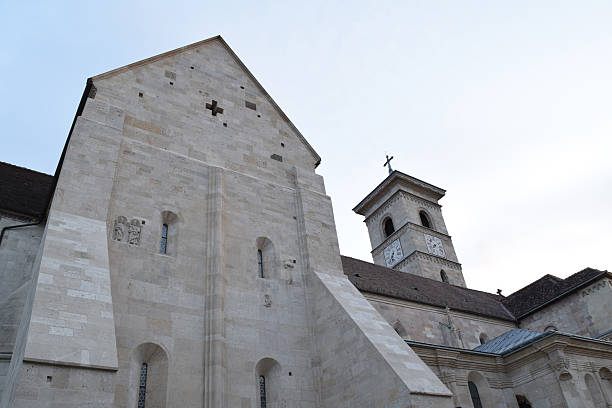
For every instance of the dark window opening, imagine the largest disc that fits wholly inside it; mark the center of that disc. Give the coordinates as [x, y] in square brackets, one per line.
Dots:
[142, 386]
[523, 402]
[250, 105]
[424, 219]
[260, 271]
[474, 394]
[164, 240]
[389, 228]
[444, 276]
[262, 391]
[483, 338]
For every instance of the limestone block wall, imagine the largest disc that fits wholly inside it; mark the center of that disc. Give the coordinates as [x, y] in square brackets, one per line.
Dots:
[429, 324]
[17, 255]
[586, 312]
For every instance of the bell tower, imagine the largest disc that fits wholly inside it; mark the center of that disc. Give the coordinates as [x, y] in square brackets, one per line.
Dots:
[407, 229]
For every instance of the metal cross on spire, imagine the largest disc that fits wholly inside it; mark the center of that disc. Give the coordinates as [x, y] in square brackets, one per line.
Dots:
[388, 163]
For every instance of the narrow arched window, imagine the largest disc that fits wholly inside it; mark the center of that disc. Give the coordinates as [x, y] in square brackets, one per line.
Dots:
[474, 394]
[389, 228]
[262, 391]
[142, 385]
[483, 338]
[424, 219]
[260, 271]
[443, 276]
[164, 239]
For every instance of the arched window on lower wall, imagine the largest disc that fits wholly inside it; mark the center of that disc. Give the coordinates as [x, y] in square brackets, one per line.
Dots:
[523, 402]
[268, 373]
[594, 391]
[148, 376]
[605, 376]
[474, 394]
[480, 393]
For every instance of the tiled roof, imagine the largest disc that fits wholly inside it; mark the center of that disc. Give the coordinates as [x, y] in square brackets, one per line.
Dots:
[379, 280]
[24, 191]
[546, 289]
[508, 341]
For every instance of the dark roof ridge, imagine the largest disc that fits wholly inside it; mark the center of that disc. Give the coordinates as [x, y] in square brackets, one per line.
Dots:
[493, 295]
[380, 280]
[3, 163]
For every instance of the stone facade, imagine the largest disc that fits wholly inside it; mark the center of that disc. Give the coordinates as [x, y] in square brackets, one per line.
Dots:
[586, 312]
[190, 258]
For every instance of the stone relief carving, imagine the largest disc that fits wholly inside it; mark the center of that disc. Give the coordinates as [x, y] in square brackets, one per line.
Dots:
[127, 232]
[134, 230]
[119, 228]
[267, 301]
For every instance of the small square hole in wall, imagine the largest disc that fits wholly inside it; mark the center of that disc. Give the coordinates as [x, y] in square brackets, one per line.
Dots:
[224, 124]
[290, 374]
[282, 144]
[241, 87]
[49, 378]
[143, 222]
[140, 94]
[259, 116]
[171, 83]
[191, 67]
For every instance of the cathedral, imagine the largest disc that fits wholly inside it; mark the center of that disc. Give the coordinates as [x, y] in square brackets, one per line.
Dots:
[184, 254]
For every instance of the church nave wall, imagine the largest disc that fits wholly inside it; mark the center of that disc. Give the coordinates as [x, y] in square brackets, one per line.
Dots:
[429, 324]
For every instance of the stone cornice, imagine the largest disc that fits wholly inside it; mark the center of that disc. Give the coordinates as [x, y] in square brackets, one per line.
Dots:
[400, 177]
[416, 254]
[396, 234]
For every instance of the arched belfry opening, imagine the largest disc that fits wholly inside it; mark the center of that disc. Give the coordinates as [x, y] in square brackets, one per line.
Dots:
[388, 227]
[425, 221]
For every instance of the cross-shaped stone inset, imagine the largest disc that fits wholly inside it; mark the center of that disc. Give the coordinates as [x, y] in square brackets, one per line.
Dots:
[214, 108]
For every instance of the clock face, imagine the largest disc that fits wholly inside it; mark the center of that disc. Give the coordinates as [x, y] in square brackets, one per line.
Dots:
[393, 253]
[434, 246]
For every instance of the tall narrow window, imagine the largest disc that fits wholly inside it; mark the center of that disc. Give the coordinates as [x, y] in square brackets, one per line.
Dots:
[262, 391]
[164, 239]
[142, 387]
[260, 271]
[389, 228]
[474, 394]
[424, 219]
[443, 276]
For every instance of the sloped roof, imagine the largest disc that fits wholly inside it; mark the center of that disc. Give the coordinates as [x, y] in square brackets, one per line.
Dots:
[546, 289]
[379, 280]
[238, 61]
[510, 340]
[24, 191]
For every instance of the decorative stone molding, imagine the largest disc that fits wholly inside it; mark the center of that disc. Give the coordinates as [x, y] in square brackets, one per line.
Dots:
[401, 195]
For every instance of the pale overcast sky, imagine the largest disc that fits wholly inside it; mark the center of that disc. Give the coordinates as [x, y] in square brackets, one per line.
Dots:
[506, 105]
